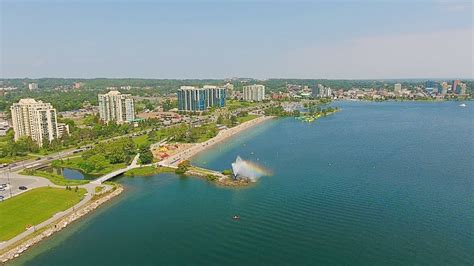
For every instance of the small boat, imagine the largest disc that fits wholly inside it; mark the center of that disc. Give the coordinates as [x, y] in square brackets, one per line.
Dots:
[236, 217]
[462, 105]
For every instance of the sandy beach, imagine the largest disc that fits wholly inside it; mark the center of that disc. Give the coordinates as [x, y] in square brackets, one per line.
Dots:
[17, 249]
[175, 159]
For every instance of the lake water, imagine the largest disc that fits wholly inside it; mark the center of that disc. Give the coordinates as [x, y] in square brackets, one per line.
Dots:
[377, 183]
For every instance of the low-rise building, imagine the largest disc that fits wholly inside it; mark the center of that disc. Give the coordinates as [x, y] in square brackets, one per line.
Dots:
[4, 127]
[63, 129]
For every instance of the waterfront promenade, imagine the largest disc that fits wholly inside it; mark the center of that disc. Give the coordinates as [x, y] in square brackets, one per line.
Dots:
[69, 214]
[175, 159]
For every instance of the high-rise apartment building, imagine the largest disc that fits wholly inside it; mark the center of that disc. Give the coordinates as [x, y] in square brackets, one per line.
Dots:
[462, 88]
[320, 91]
[114, 106]
[32, 86]
[455, 86]
[315, 90]
[397, 88]
[35, 119]
[254, 93]
[192, 98]
[229, 90]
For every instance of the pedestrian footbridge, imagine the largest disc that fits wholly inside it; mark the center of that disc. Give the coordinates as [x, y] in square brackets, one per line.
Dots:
[109, 176]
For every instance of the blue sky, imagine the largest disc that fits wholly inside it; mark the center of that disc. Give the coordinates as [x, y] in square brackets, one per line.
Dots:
[218, 39]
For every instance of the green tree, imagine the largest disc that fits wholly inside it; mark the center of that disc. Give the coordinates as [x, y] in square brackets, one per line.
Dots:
[183, 167]
[146, 157]
[233, 120]
[94, 163]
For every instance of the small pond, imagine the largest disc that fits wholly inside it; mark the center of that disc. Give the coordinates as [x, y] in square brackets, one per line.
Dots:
[69, 173]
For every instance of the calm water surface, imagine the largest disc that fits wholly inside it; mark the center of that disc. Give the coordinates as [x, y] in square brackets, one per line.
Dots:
[69, 173]
[377, 183]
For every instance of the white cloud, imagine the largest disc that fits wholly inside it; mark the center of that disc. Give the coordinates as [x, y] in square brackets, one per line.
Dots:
[434, 54]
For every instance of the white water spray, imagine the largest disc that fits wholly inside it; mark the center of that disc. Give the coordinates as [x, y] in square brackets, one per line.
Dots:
[249, 170]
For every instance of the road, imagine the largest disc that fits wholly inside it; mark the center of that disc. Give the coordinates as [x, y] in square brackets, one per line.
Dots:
[15, 180]
[18, 166]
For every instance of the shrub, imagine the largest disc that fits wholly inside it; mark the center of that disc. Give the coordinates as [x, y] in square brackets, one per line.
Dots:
[211, 177]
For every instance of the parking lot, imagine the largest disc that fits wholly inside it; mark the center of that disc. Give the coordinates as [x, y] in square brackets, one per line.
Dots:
[15, 183]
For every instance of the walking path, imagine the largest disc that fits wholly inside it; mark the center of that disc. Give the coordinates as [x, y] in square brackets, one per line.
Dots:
[172, 161]
[43, 182]
[90, 192]
[108, 176]
[175, 159]
[60, 221]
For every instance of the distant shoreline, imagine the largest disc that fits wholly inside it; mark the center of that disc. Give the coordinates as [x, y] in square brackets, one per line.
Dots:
[403, 100]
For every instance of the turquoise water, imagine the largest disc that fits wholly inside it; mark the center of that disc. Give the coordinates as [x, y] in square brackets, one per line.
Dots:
[377, 183]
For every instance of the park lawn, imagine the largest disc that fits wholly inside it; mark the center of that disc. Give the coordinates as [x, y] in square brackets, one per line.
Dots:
[55, 178]
[148, 170]
[74, 163]
[141, 140]
[98, 189]
[34, 207]
[162, 134]
[246, 118]
[234, 104]
[203, 138]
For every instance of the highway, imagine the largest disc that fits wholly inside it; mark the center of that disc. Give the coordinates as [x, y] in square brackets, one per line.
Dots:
[18, 166]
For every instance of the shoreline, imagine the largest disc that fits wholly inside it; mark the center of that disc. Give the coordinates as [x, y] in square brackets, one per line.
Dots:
[220, 137]
[15, 250]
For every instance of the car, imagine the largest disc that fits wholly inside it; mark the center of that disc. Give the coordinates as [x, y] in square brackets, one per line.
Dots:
[1, 197]
[37, 159]
[3, 185]
[2, 189]
[49, 158]
[22, 188]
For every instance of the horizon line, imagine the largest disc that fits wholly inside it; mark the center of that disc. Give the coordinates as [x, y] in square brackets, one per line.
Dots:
[252, 78]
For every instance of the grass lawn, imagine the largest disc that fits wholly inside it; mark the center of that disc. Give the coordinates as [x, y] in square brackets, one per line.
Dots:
[148, 170]
[141, 140]
[246, 118]
[74, 163]
[98, 189]
[54, 178]
[34, 207]
[234, 104]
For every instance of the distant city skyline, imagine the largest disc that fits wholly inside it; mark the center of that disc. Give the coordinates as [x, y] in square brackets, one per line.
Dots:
[215, 40]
